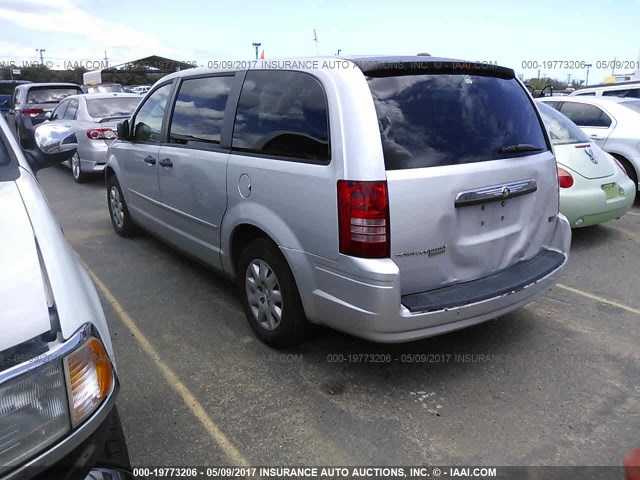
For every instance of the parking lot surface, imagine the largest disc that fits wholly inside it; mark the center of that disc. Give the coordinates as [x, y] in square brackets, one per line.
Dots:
[554, 383]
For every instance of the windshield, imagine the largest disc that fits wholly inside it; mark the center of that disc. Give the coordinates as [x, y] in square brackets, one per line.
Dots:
[50, 94]
[435, 120]
[633, 105]
[561, 130]
[112, 107]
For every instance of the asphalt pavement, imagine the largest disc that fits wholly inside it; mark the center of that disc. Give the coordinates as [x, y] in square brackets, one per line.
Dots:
[553, 383]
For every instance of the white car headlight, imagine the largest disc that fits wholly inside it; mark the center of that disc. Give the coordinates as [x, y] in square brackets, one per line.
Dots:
[46, 403]
[34, 413]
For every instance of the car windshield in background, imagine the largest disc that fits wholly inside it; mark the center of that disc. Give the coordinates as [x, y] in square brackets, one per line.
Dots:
[561, 130]
[50, 95]
[7, 88]
[435, 120]
[107, 89]
[112, 107]
[633, 105]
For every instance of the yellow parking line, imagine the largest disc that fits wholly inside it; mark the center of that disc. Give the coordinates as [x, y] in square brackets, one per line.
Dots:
[599, 299]
[172, 379]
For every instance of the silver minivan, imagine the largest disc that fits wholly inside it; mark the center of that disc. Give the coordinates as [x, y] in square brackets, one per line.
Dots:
[392, 198]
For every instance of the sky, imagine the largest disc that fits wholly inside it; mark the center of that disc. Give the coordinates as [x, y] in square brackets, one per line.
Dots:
[546, 38]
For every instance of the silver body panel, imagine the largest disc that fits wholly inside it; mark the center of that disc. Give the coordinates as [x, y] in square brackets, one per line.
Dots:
[198, 204]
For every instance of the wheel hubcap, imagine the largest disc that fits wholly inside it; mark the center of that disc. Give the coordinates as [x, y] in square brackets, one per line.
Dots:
[115, 203]
[75, 166]
[264, 294]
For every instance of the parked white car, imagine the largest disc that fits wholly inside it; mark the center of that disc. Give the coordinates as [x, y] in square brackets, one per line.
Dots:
[610, 122]
[622, 89]
[58, 378]
[141, 89]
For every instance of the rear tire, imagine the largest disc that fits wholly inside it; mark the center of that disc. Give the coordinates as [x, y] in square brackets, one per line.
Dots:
[270, 296]
[76, 169]
[118, 211]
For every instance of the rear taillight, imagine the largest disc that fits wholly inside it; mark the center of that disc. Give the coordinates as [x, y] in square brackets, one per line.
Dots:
[363, 216]
[620, 166]
[101, 134]
[32, 111]
[565, 180]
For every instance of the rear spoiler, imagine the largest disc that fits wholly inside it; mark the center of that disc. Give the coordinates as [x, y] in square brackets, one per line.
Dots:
[430, 67]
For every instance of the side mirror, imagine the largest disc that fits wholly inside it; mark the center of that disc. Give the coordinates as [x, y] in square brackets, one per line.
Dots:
[123, 130]
[47, 116]
[53, 144]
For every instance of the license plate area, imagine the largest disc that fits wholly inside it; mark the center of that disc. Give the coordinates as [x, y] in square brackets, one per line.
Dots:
[610, 190]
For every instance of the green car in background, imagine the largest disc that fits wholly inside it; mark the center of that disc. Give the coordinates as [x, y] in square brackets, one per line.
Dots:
[594, 187]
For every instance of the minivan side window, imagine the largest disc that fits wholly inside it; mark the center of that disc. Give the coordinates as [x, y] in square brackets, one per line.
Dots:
[585, 115]
[283, 114]
[60, 110]
[70, 114]
[199, 110]
[148, 120]
[584, 94]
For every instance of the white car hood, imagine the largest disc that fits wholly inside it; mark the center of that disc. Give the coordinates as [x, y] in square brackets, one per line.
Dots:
[24, 312]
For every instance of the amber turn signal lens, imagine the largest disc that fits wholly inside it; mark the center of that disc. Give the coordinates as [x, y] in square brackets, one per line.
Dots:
[89, 377]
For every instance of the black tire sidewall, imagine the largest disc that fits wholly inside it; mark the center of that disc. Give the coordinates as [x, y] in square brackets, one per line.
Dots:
[293, 327]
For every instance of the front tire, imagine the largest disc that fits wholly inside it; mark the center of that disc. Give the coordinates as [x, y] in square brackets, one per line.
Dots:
[76, 169]
[115, 452]
[270, 296]
[118, 211]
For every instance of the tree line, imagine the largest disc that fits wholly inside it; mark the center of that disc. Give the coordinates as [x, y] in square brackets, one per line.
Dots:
[41, 74]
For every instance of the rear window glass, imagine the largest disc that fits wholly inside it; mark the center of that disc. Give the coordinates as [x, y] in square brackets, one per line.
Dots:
[112, 107]
[633, 105]
[561, 129]
[630, 92]
[436, 120]
[7, 88]
[50, 95]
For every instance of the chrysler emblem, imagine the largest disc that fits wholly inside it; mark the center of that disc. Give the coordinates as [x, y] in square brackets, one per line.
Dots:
[506, 193]
[592, 157]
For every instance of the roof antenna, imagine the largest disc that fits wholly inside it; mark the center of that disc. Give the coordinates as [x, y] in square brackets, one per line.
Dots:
[315, 39]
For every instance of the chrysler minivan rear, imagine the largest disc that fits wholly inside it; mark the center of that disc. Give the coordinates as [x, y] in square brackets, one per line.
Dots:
[465, 226]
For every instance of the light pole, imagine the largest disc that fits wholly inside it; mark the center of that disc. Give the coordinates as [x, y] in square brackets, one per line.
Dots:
[586, 82]
[41, 59]
[256, 45]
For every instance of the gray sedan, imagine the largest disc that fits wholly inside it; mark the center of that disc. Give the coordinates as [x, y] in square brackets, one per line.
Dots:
[93, 117]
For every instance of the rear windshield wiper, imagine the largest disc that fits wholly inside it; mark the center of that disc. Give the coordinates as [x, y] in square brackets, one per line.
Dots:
[520, 147]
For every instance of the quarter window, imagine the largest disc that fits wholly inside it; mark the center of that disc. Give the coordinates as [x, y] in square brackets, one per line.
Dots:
[71, 111]
[60, 110]
[585, 115]
[148, 121]
[283, 114]
[199, 110]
